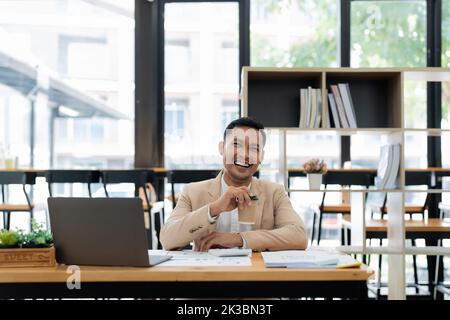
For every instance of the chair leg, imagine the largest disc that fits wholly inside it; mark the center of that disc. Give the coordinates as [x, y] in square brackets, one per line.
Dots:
[151, 231]
[6, 219]
[47, 219]
[158, 225]
[436, 273]
[416, 277]
[380, 260]
[31, 219]
[313, 228]
[319, 232]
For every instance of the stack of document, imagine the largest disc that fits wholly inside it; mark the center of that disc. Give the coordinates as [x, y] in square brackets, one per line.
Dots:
[308, 259]
[189, 258]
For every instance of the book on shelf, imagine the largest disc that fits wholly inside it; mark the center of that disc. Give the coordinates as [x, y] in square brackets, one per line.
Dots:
[303, 106]
[388, 167]
[334, 111]
[308, 107]
[340, 107]
[314, 109]
[308, 259]
[311, 109]
[319, 117]
[344, 90]
[344, 105]
[325, 112]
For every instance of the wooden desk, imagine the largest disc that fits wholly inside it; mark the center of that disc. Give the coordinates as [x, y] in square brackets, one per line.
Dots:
[160, 281]
[431, 228]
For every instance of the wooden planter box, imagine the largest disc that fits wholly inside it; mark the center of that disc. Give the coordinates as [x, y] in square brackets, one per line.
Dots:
[32, 257]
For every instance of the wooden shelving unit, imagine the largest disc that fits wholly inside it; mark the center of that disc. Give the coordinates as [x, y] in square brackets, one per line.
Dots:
[271, 95]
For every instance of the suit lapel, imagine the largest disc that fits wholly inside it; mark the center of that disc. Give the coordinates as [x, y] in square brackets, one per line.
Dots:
[256, 189]
[214, 187]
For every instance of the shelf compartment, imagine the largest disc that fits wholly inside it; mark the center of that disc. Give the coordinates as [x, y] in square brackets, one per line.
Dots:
[273, 97]
[376, 95]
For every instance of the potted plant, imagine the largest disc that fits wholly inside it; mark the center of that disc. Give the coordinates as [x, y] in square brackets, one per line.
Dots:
[38, 237]
[315, 169]
[9, 239]
[31, 249]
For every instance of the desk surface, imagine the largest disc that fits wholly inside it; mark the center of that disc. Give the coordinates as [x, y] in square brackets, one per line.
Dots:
[428, 225]
[257, 272]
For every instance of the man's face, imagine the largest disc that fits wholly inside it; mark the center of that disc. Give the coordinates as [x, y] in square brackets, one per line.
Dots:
[242, 152]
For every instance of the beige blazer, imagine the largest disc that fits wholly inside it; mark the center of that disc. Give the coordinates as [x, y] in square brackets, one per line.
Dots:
[277, 227]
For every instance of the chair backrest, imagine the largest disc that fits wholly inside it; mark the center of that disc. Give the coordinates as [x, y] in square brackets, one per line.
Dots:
[348, 178]
[415, 178]
[72, 176]
[17, 177]
[194, 175]
[137, 177]
[188, 176]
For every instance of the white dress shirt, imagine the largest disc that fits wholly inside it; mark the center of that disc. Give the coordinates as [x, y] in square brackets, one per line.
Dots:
[228, 221]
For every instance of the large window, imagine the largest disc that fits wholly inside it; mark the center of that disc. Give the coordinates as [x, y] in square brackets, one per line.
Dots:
[82, 53]
[70, 64]
[201, 55]
[295, 33]
[388, 33]
[393, 34]
[175, 118]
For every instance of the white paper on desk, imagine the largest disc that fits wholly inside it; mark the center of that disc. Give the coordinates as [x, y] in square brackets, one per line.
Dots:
[158, 252]
[190, 258]
[306, 259]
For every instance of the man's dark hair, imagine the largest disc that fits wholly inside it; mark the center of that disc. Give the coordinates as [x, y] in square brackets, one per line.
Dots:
[246, 122]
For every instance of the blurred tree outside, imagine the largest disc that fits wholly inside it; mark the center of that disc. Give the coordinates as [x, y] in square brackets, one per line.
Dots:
[314, 45]
[393, 34]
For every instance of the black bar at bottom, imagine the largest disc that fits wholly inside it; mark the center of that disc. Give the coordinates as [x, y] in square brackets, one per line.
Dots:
[326, 289]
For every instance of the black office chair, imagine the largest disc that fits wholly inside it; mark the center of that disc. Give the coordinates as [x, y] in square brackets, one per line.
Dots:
[142, 180]
[442, 288]
[188, 176]
[412, 178]
[16, 178]
[72, 176]
[343, 178]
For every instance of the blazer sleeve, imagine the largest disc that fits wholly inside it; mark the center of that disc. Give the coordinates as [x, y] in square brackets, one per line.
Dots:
[289, 231]
[185, 224]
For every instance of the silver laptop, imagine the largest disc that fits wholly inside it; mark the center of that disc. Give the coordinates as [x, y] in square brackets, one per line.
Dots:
[101, 232]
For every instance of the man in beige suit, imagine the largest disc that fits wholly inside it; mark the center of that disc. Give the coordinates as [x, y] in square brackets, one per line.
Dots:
[207, 212]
